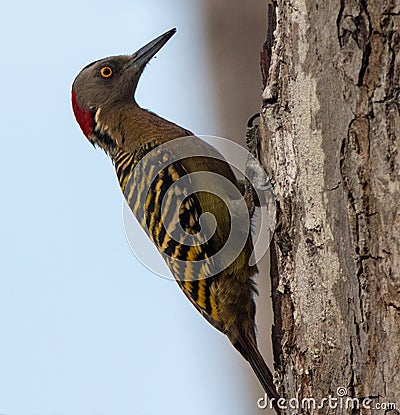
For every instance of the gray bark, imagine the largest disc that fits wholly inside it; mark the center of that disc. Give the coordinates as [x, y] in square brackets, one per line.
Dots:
[330, 142]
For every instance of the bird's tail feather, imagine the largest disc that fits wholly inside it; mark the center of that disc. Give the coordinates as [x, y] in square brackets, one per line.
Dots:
[251, 353]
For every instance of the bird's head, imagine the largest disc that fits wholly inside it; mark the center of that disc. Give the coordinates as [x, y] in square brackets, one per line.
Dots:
[108, 82]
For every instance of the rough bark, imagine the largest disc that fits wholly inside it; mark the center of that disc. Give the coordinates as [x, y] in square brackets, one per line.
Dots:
[330, 142]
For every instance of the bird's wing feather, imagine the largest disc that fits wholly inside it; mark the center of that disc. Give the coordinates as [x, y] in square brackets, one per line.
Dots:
[171, 219]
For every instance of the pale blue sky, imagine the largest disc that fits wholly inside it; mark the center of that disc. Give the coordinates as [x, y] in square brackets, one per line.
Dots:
[86, 329]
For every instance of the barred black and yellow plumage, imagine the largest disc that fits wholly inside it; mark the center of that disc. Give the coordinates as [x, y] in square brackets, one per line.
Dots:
[147, 170]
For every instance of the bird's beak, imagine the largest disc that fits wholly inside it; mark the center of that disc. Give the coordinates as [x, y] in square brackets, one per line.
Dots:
[141, 57]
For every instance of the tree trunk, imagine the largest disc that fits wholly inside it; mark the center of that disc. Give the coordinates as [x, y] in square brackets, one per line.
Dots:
[330, 132]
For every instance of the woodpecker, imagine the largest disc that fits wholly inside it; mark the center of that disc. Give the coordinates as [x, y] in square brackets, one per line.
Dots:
[104, 105]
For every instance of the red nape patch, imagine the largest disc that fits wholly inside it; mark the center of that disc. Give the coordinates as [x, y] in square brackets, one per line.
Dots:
[84, 118]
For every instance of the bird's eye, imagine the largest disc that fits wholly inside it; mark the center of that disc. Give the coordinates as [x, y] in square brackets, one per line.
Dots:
[106, 72]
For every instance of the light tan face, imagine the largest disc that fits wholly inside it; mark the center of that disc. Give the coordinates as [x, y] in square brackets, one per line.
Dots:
[114, 79]
[106, 82]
